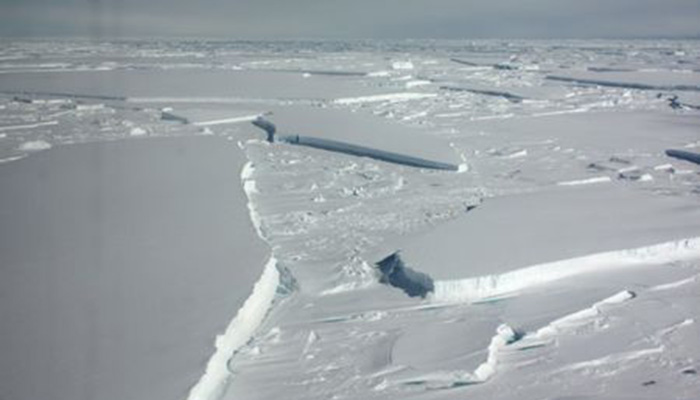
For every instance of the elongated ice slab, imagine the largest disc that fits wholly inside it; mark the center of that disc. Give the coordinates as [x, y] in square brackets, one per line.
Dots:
[580, 316]
[684, 155]
[233, 120]
[27, 126]
[392, 97]
[482, 287]
[362, 151]
[349, 148]
[627, 85]
[35, 145]
[589, 181]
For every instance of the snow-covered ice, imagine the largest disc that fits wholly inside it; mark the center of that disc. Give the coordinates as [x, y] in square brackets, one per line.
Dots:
[122, 272]
[158, 246]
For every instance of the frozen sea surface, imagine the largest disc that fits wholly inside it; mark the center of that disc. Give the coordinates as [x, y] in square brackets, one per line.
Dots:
[563, 254]
[121, 262]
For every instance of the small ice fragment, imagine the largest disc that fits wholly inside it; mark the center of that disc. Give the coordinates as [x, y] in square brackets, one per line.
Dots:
[517, 154]
[35, 145]
[378, 74]
[664, 167]
[89, 107]
[402, 65]
[415, 83]
[626, 170]
[598, 179]
[10, 159]
[138, 131]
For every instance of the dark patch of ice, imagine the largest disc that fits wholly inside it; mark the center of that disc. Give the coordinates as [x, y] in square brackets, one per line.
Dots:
[610, 69]
[619, 160]
[599, 167]
[396, 274]
[514, 98]
[505, 67]
[168, 116]
[26, 95]
[676, 104]
[463, 383]
[361, 151]
[351, 149]
[684, 155]
[463, 62]
[19, 99]
[267, 126]
[625, 85]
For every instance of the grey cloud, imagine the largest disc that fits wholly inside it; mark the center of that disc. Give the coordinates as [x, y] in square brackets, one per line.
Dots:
[355, 19]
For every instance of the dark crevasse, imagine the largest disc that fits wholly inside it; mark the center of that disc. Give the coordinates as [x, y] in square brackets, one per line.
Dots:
[349, 148]
[684, 155]
[396, 274]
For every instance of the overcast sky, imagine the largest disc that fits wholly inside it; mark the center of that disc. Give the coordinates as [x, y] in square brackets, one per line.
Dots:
[240, 19]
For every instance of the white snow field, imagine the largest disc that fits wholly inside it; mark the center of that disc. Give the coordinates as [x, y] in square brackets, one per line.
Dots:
[108, 291]
[154, 245]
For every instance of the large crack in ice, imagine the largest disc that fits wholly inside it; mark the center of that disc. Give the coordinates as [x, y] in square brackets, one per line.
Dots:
[213, 383]
[624, 85]
[395, 273]
[513, 98]
[274, 282]
[351, 149]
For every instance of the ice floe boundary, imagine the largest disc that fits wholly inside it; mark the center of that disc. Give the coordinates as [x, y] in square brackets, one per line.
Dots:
[275, 281]
[490, 286]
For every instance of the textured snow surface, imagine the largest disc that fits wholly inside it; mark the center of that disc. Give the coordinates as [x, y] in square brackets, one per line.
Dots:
[560, 260]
